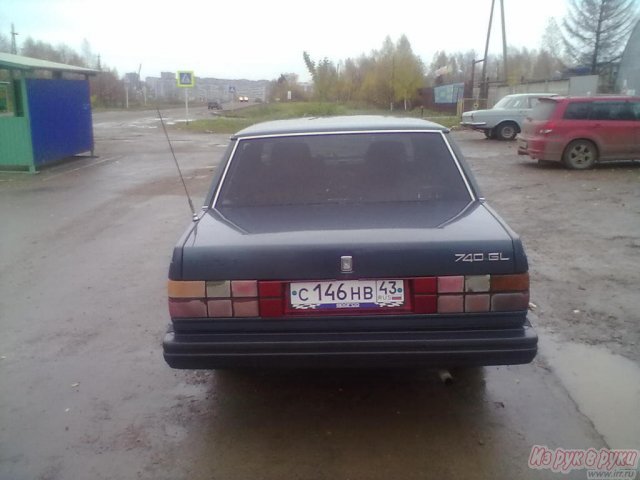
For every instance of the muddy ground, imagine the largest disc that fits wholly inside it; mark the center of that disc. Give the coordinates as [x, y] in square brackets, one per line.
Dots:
[581, 230]
[85, 393]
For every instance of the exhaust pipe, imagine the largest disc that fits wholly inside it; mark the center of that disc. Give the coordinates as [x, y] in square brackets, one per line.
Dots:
[445, 377]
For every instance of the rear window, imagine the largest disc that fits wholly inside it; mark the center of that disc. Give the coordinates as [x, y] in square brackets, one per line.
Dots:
[578, 111]
[342, 169]
[543, 110]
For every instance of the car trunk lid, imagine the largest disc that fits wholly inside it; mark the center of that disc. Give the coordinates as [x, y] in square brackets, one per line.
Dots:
[383, 241]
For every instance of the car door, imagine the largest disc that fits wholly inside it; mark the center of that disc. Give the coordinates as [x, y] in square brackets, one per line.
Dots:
[635, 143]
[616, 126]
[521, 109]
[627, 124]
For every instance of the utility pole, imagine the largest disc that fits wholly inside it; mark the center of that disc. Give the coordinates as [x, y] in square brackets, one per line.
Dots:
[504, 42]
[473, 78]
[483, 80]
[14, 46]
[484, 86]
[393, 81]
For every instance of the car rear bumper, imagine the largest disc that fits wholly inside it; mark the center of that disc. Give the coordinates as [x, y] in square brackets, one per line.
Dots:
[474, 125]
[434, 348]
[537, 149]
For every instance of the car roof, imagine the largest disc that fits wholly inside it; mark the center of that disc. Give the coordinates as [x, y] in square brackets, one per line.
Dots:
[591, 98]
[531, 95]
[352, 123]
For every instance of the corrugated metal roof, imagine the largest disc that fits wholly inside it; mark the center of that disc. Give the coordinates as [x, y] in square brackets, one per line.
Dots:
[18, 62]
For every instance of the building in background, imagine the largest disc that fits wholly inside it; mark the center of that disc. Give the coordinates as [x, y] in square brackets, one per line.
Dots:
[206, 89]
[629, 72]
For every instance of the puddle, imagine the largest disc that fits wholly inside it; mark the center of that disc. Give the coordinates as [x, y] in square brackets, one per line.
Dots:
[605, 386]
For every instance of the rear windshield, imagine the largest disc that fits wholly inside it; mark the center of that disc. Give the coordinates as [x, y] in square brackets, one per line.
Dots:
[543, 110]
[342, 169]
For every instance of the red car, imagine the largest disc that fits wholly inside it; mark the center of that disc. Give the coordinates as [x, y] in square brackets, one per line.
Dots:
[582, 131]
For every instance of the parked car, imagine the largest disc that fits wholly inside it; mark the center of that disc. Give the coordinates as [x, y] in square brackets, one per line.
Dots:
[347, 242]
[213, 105]
[582, 131]
[504, 120]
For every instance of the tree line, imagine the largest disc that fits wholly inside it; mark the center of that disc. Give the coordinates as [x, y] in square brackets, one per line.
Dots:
[592, 35]
[107, 90]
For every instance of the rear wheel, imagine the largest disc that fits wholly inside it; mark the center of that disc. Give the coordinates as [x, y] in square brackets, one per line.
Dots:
[507, 131]
[580, 155]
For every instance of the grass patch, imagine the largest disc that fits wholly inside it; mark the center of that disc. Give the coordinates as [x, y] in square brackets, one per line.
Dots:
[217, 125]
[236, 120]
[447, 121]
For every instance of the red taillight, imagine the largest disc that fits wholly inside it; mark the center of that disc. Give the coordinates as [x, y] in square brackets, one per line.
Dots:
[271, 299]
[482, 293]
[547, 128]
[425, 299]
[425, 303]
[423, 295]
[225, 299]
[425, 285]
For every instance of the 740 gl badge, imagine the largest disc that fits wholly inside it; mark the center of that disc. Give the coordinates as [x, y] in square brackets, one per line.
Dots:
[481, 257]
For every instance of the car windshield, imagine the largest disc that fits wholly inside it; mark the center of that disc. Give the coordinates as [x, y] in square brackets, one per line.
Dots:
[342, 169]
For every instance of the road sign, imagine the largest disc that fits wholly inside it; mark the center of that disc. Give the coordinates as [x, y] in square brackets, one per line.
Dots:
[186, 79]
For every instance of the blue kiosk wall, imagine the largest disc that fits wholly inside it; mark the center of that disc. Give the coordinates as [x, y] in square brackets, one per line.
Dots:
[60, 115]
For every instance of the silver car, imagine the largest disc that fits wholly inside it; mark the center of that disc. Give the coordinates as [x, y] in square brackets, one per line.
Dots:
[504, 120]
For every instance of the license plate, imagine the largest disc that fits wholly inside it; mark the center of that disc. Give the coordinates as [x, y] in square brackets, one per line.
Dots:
[523, 144]
[359, 294]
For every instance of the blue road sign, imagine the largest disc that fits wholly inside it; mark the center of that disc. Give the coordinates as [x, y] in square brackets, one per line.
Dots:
[186, 78]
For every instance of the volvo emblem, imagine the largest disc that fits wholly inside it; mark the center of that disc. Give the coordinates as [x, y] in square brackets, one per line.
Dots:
[346, 264]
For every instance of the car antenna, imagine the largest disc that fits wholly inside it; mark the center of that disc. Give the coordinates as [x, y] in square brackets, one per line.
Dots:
[166, 134]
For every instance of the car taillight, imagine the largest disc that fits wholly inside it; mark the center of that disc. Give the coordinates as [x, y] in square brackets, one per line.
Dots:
[187, 299]
[224, 299]
[471, 293]
[428, 295]
[547, 128]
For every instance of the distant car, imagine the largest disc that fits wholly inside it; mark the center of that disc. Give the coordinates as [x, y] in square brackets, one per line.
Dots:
[347, 242]
[243, 98]
[504, 120]
[582, 131]
[214, 105]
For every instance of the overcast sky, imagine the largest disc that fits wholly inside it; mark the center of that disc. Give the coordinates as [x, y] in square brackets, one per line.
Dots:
[261, 39]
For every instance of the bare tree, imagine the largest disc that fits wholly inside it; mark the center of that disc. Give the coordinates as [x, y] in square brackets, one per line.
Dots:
[595, 31]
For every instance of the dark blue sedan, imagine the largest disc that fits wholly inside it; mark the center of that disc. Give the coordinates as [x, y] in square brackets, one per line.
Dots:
[347, 242]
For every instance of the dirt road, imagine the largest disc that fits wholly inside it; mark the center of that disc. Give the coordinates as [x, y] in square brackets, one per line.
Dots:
[85, 392]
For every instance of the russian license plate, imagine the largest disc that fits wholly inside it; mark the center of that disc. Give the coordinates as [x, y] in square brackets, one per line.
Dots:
[361, 294]
[523, 143]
